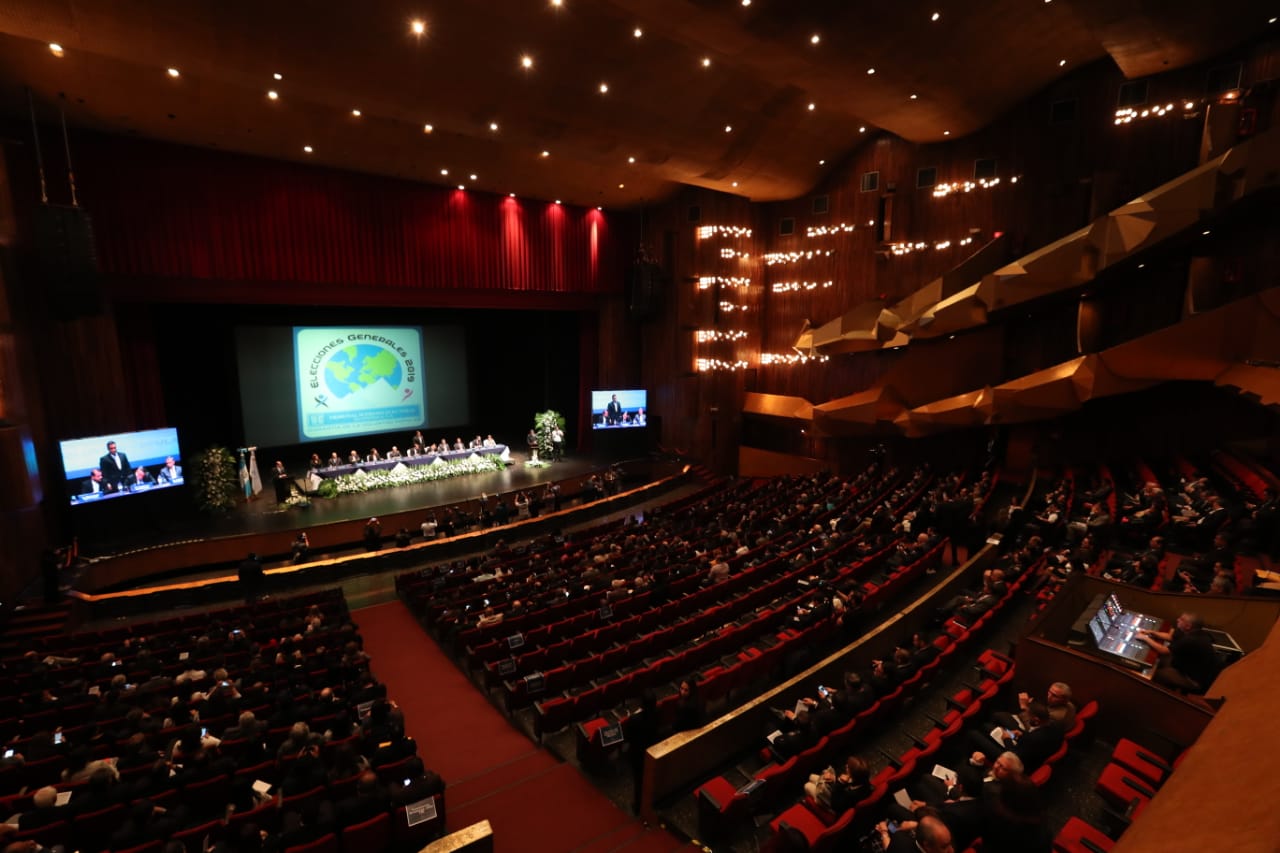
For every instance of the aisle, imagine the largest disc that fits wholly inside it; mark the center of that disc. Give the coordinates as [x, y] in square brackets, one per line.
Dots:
[493, 772]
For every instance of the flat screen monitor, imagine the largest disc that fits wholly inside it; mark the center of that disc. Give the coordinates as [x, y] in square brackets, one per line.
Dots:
[1112, 607]
[619, 409]
[105, 467]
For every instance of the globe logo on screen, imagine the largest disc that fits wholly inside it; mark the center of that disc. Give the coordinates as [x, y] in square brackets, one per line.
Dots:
[359, 367]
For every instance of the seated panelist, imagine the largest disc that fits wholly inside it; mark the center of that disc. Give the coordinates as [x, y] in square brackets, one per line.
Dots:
[171, 472]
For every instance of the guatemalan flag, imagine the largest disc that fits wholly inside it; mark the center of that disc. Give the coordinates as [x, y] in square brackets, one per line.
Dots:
[244, 478]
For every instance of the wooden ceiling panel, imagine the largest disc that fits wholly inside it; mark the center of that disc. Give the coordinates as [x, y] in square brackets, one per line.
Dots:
[663, 107]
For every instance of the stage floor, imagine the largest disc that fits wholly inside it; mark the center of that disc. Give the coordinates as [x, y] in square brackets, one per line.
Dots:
[264, 515]
[158, 553]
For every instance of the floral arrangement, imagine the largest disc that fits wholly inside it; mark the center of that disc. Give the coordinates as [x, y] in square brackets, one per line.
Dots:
[404, 475]
[543, 424]
[216, 480]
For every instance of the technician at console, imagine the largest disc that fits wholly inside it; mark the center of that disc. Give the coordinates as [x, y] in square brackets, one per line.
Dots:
[1187, 659]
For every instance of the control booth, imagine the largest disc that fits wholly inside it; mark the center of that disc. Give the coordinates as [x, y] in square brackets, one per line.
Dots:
[1108, 628]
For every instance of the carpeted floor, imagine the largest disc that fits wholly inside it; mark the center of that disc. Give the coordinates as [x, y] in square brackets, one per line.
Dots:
[534, 801]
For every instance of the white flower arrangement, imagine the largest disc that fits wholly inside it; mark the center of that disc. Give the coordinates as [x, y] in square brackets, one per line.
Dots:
[404, 475]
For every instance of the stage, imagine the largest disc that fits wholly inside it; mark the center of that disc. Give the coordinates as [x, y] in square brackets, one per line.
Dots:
[187, 556]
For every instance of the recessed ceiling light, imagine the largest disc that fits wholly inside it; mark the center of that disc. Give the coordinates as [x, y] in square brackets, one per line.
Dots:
[461, 187]
[428, 128]
[1272, 20]
[1205, 233]
[546, 153]
[622, 186]
[746, 2]
[356, 113]
[55, 48]
[862, 129]
[706, 62]
[735, 183]
[728, 128]
[511, 195]
[604, 88]
[822, 162]
[418, 27]
[173, 72]
[526, 61]
[914, 96]
[557, 2]
[1061, 62]
[557, 201]
[444, 171]
[935, 16]
[637, 32]
[493, 125]
[946, 133]
[631, 159]
[1142, 266]
[812, 106]
[598, 207]
[871, 71]
[473, 177]
[277, 76]
[815, 38]
[273, 94]
[1014, 179]
[307, 148]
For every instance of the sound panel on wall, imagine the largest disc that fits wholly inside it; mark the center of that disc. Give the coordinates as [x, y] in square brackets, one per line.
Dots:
[68, 260]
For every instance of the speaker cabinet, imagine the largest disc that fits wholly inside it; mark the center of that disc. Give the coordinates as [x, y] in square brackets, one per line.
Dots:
[68, 261]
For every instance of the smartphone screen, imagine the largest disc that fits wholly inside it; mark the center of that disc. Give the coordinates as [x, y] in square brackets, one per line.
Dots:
[57, 738]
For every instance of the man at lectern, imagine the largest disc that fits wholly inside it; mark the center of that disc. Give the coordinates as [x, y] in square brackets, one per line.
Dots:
[281, 476]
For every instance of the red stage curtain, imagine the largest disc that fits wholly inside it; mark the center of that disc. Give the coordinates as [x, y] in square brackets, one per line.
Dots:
[186, 214]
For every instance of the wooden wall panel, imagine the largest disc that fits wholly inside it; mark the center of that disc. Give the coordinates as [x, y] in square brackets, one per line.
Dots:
[1069, 167]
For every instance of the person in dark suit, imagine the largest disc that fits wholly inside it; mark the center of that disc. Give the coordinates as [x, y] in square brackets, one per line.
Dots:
[418, 784]
[1041, 739]
[280, 475]
[613, 412]
[96, 484]
[171, 473]
[116, 470]
[369, 801]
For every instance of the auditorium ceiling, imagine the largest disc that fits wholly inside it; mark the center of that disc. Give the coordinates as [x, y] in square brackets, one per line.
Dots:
[594, 102]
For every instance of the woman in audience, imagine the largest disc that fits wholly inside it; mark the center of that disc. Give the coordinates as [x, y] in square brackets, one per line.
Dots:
[841, 791]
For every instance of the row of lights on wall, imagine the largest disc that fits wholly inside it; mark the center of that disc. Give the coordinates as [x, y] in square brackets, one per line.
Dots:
[788, 359]
[825, 230]
[713, 365]
[706, 336]
[1127, 115]
[796, 286]
[778, 258]
[946, 189]
[706, 282]
[899, 249]
[706, 232]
